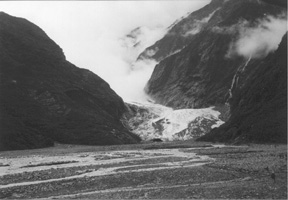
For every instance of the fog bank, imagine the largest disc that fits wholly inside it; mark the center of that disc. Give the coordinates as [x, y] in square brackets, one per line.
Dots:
[92, 34]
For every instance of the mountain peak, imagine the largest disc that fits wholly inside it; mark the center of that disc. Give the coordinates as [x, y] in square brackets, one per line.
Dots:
[27, 44]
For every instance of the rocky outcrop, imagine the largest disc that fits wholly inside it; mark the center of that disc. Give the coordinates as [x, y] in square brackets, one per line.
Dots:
[259, 107]
[201, 72]
[45, 99]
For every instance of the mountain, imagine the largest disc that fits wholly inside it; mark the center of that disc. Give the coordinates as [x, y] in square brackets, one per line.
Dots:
[193, 77]
[180, 33]
[259, 107]
[215, 56]
[45, 99]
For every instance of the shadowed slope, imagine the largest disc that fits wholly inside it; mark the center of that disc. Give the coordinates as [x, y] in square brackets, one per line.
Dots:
[201, 71]
[44, 98]
[259, 109]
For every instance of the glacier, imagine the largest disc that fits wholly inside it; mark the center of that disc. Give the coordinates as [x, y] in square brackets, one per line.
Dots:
[150, 121]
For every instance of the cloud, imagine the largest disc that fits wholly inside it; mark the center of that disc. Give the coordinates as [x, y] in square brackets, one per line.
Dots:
[256, 40]
[138, 39]
[91, 34]
[194, 28]
[233, 29]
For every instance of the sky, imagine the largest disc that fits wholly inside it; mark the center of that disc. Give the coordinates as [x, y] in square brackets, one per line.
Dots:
[92, 34]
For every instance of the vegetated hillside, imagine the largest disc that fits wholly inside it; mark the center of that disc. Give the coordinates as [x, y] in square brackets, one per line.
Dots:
[259, 108]
[200, 72]
[45, 99]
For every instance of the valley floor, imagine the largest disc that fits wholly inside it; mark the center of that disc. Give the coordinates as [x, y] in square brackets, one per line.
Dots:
[171, 170]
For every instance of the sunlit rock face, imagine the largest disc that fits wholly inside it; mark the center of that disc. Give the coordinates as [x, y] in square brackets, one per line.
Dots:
[44, 98]
[211, 58]
[151, 121]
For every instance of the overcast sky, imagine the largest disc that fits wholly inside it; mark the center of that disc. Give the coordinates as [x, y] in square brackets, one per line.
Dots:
[89, 33]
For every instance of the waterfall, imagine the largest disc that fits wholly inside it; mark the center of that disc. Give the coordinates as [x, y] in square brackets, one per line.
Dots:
[247, 62]
[239, 71]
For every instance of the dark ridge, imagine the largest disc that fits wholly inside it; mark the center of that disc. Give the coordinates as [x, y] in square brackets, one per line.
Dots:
[259, 111]
[45, 99]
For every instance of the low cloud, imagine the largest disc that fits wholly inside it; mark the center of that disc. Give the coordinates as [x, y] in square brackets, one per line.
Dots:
[138, 40]
[92, 34]
[196, 26]
[255, 40]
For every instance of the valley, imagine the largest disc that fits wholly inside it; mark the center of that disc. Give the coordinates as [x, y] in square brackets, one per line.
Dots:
[199, 112]
[183, 169]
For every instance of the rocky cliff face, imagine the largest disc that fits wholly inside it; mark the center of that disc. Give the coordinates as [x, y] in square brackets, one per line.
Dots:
[200, 72]
[45, 99]
[203, 64]
[259, 107]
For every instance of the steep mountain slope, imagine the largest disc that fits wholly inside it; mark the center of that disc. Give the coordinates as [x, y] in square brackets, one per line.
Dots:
[227, 61]
[201, 72]
[180, 33]
[259, 107]
[44, 98]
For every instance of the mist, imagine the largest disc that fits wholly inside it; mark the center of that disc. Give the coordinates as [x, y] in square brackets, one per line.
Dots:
[197, 25]
[93, 34]
[257, 40]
